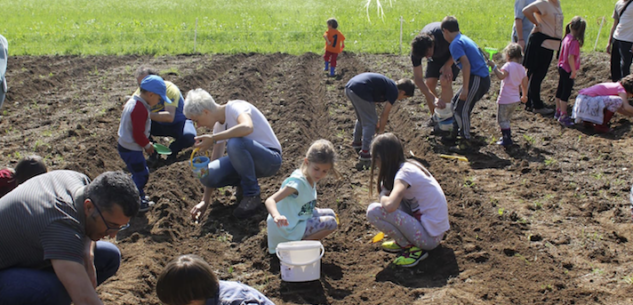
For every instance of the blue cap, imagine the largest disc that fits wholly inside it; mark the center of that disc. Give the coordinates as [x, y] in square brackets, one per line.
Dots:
[155, 84]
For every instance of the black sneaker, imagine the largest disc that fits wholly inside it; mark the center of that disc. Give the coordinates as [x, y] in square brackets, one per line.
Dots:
[146, 204]
[364, 156]
[449, 139]
[464, 146]
[248, 207]
[357, 146]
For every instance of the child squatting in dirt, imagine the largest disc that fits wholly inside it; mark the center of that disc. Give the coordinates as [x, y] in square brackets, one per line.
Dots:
[596, 105]
[412, 208]
[293, 213]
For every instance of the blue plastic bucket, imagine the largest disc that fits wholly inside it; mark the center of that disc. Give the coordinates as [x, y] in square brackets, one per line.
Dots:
[446, 125]
[200, 165]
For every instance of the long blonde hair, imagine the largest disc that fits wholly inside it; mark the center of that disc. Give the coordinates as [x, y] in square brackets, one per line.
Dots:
[320, 152]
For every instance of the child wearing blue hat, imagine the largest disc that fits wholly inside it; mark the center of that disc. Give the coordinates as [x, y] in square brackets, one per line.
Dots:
[134, 132]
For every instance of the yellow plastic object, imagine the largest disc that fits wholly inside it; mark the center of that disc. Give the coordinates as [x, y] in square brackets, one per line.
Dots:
[193, 153]
[460, 158]
[380, 236]
[338, 223]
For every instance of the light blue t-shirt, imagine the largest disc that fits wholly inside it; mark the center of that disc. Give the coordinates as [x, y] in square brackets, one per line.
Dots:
[297, 208]
[519, 5]
[462, 45]
[234, 293]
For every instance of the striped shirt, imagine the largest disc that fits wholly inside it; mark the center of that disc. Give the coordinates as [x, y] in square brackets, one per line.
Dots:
[43, 219]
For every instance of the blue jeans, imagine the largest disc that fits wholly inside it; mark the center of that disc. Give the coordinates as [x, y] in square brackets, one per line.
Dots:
[183, 133]
[34, 286]
[246, 160]
[137, 166]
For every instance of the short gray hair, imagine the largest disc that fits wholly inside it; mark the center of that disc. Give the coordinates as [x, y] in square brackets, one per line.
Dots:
[198, 100]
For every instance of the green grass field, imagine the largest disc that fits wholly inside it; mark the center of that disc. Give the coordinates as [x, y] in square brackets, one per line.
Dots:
[158, 27]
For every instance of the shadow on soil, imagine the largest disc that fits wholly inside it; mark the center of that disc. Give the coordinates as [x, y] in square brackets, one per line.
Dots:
[434, 271]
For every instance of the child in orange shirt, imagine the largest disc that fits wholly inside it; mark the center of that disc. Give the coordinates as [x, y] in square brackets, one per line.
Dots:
[334, 44]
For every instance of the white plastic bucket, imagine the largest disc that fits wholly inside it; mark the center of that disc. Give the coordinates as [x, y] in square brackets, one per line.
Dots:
[300, 260]
[446, 124]
[445, 113]
[444, 117]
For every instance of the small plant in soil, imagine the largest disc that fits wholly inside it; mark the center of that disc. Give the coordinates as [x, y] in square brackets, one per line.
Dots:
[469, 181]
[538, 205]
[550, 161]
[522, 257]
[529, 139]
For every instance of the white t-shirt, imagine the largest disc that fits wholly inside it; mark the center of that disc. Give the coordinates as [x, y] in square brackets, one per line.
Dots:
[509, 92]
[425, 195]
[624, 29]
[551, 23]
[262, 132]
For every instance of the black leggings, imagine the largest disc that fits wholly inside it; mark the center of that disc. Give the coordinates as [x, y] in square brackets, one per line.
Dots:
[536, 75]
[621, 57]
[565, 85]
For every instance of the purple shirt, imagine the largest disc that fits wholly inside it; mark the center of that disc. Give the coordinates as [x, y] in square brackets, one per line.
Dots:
[569, 46]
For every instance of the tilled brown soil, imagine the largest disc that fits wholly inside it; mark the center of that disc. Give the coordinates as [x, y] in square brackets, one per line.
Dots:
[547, 222]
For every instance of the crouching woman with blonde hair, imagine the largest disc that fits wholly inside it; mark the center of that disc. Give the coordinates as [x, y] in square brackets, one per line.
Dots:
[252, 149]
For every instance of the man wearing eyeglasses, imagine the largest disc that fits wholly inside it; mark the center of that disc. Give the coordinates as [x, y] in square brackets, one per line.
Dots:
[51, 229]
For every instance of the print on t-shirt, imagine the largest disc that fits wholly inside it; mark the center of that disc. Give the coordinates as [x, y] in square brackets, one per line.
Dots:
[559, 24]
[307, 208]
